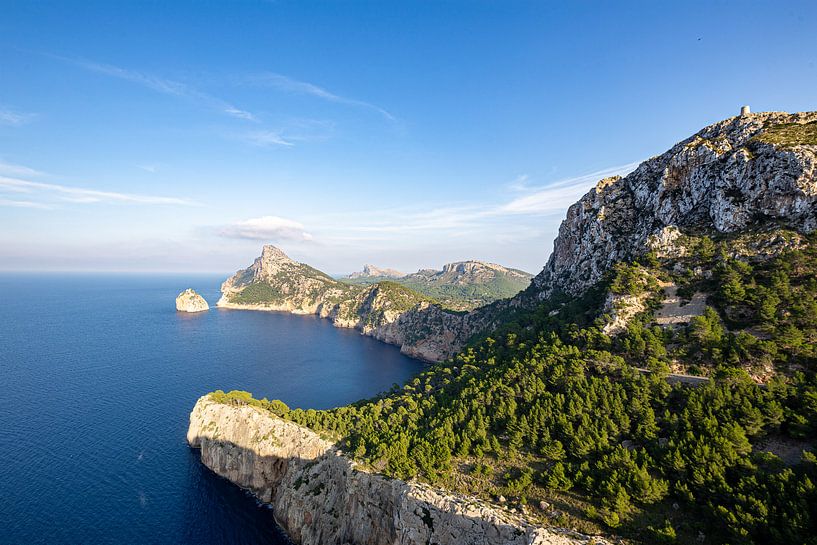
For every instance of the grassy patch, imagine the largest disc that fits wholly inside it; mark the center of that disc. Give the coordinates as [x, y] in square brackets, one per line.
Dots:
[257, 292]
[790, 134]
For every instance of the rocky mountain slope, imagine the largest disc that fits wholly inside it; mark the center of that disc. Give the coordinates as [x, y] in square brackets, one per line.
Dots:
[751, 173]
[321, 497]
[463, 285]
[385, 310]
[466, 285]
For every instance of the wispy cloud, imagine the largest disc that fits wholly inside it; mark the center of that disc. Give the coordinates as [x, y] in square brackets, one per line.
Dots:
[267, 229]
[16, 179]
[266, 138]
[524, 216]
[520, 183]
[14, 118]
[10, 169]
[87, 196]
[288, 84]
[289, 133]
[161, 85]
[24, 204]
[558, 196]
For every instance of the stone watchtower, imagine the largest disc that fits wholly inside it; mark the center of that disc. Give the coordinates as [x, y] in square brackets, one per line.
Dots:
[744, 111]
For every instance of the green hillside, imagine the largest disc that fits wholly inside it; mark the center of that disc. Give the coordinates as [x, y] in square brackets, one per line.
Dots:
[587, 431]
[479, 285]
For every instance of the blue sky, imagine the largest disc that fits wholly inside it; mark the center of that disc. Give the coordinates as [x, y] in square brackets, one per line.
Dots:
[181, 136]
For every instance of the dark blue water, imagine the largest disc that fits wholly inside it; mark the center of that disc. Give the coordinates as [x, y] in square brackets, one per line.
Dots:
[98, 375]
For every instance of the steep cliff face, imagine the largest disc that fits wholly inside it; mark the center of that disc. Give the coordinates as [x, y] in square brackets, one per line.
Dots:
[322, 498]
[749, 173]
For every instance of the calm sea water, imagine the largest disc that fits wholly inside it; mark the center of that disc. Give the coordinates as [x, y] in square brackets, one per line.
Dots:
[98, 375]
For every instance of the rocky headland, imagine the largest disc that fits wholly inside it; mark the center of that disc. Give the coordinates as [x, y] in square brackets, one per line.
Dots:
[386, 310]
[745, 187]
[190, 301]
[321, 497]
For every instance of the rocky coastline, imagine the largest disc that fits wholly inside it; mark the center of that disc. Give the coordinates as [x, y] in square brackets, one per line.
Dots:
[322, 497]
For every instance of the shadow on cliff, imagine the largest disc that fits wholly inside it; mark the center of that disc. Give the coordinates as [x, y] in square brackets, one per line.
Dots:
[326, 501]
[213, 499]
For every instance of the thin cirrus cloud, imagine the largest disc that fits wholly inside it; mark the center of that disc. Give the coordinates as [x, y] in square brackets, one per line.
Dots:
[266, 138]
[526, 215]
[266, 228]
[557, 196]
[45, 195]
[289, 133]
[285, 83]
[24, 204]
[14, 118]
[547, 200]
[161, 85]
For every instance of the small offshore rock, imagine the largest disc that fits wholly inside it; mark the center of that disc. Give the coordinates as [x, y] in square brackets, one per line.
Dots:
[190, 301]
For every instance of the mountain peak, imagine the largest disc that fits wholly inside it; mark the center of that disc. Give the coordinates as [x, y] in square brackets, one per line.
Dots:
[272, 261]
[274, 253]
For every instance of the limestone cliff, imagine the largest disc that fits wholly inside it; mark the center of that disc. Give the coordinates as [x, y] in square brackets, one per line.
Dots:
[320, 497]
[190, 301]
[750, 173]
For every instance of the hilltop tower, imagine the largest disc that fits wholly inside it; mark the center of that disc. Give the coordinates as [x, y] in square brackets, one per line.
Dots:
[744, 111]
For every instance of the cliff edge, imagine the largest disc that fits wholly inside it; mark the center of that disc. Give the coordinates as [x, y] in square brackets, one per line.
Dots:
[321, 497]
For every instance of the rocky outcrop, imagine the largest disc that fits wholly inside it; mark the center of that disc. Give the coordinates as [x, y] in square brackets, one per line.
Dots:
[321, 497]
[738, 175]
[190, 301]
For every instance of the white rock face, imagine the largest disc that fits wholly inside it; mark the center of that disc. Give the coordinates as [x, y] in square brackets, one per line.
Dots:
[190, 301]
[721, 180]
[320, 497]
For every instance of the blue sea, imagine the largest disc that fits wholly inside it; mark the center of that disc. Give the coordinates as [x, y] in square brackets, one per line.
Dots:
[98, 374]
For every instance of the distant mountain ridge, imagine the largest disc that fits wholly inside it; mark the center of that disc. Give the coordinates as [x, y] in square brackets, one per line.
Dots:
[371, 271]
[462, 285]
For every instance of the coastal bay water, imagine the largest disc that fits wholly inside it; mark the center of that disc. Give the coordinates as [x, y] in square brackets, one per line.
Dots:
[98, 374]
